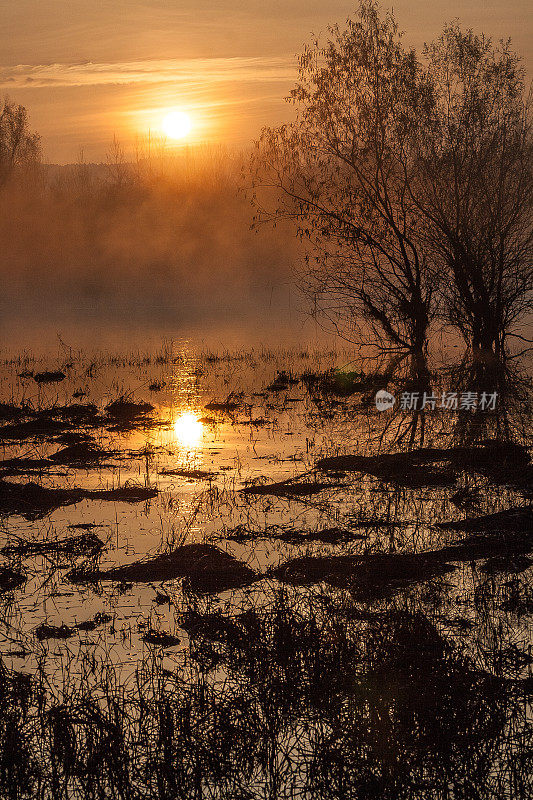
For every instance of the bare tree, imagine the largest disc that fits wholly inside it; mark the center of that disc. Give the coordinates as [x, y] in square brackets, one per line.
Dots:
[410, 182]
[475, 191]
[344, 171]
[119, 170]
[19, 148]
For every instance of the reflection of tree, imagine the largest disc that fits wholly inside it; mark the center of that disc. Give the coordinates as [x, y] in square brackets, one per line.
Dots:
[420, 721]
[510, 419]
[505, 418]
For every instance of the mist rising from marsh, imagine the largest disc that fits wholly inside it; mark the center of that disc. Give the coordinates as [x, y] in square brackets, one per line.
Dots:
[155, 245]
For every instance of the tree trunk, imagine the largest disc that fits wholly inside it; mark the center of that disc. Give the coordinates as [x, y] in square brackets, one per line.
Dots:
[486, 342]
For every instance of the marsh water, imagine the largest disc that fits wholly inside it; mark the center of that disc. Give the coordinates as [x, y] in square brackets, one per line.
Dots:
[228, 574]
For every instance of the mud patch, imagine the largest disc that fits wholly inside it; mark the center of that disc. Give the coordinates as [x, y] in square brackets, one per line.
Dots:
[513, 520]
[87, 544]
[431, 466]
[205, 568]
[126, 410]
[215, 627]
[96, 622]
[53, 632]
[31, 501]
[80, 455]
[192, 474]
[367, 577]
[292, 488]
[35, 429]
[9, 579]
[49, 377]
[160, 639]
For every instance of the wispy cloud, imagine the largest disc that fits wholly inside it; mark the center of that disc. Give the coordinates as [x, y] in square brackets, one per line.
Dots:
[183, 71]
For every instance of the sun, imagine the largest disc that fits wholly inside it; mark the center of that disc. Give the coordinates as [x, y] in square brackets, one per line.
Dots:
[188, 430]
[176, 124]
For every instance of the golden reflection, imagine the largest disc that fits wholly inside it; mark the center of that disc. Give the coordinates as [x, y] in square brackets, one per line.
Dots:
[188, 429]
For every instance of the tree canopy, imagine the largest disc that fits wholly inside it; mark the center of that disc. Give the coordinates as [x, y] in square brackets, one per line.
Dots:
[409, 180]
[19, 147]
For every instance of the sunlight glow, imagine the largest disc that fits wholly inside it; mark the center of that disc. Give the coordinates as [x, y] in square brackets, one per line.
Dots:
[176, 125]
[189, 430]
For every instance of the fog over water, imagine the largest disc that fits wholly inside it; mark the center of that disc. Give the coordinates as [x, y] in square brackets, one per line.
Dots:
[114, 254]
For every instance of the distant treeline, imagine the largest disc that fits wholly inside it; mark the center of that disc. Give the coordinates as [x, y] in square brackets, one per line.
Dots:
[155, 237]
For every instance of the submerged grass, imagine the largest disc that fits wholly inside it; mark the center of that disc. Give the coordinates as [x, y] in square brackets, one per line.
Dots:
[307, 698]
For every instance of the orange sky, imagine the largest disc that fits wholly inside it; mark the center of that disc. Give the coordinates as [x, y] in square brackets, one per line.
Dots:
[88, 69]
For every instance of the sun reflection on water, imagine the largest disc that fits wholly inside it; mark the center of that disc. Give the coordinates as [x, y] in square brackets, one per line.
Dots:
[188, 430]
